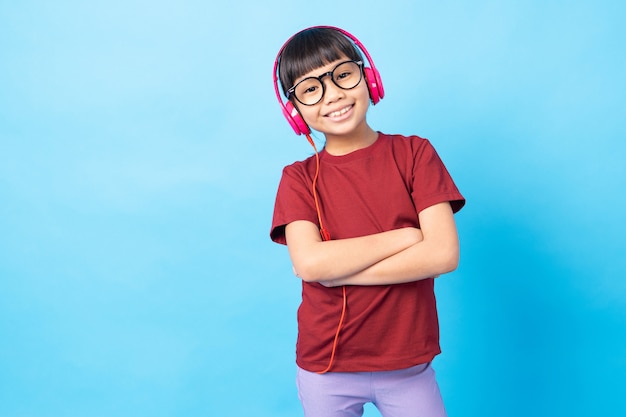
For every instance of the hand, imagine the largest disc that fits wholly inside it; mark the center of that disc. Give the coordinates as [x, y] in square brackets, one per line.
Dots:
[414, 234]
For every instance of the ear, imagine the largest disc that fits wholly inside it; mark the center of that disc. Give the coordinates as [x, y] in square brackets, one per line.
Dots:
[295, 119]
[374, 84]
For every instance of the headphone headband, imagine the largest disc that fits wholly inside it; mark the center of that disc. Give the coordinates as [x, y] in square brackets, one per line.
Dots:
[372, 77]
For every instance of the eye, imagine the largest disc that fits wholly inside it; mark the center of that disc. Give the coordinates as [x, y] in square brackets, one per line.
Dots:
[307, 87]
[346, 72]
[310, 90]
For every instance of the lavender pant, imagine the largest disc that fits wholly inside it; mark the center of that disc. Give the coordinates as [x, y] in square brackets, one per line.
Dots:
[411, 392]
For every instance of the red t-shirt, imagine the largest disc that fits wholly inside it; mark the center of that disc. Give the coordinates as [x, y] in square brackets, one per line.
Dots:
[371, 190]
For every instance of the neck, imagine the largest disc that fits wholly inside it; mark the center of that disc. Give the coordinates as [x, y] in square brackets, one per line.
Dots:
[339, 145]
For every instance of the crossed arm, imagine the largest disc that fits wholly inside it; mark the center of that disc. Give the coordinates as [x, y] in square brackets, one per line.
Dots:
[392, 257]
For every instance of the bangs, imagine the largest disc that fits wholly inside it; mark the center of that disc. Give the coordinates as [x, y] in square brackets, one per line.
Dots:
[312, 49]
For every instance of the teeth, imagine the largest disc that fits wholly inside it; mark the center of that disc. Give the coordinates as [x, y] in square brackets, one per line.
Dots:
[340, 112]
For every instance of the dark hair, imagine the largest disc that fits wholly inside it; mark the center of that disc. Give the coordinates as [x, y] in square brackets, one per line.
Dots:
[310, 49]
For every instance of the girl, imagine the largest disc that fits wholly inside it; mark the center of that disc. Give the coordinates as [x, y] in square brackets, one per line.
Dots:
[369, 224]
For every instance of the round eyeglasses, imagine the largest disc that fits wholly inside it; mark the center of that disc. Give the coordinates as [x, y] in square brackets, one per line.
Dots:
[310, 91]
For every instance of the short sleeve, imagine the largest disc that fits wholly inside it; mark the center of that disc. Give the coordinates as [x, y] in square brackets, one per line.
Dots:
[431, 181]
[294, 201]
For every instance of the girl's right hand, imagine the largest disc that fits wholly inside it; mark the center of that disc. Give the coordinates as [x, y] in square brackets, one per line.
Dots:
[414, 234]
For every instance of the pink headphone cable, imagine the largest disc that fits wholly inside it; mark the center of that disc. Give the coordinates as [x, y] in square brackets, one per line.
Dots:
[323, 231]
[326, 236]
[343, 314]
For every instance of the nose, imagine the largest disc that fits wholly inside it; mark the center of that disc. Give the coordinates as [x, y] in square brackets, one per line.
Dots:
[332, 91]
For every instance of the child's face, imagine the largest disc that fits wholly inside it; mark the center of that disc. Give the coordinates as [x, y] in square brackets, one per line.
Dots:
[340, 112]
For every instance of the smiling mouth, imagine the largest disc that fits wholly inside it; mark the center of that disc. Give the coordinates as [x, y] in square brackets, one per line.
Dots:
[340, 113]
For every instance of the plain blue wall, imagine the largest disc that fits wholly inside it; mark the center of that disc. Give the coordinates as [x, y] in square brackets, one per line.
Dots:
[140, 149]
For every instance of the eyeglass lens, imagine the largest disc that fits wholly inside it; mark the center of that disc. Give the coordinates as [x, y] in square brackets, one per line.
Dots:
[310, 91]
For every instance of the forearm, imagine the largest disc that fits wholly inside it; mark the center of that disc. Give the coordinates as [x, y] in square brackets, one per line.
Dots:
[420, 261]
[315, 260]
[436, 254]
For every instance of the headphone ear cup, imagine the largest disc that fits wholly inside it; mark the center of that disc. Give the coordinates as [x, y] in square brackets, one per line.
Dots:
[295, 119]
[374, 84]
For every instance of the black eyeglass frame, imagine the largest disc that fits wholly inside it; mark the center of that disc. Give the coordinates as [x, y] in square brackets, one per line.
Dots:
[292, 90]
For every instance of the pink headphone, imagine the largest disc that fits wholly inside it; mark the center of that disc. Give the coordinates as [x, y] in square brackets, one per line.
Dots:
[372, 77]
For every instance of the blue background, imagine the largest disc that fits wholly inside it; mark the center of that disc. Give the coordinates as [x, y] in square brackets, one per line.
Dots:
[140, 149]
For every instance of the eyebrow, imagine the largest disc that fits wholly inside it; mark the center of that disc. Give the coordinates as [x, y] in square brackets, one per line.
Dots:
[331, 64]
